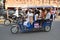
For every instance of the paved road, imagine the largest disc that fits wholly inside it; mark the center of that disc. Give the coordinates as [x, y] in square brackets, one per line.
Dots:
[54, 34]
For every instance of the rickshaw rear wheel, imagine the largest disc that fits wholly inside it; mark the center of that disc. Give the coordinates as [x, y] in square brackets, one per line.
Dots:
[47, 28]
[7, 22]
[14, 29]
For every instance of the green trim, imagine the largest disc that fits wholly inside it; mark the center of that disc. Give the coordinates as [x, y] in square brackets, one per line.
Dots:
[0, 0]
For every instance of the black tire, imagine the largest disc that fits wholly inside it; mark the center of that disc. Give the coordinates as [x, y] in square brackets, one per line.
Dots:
[47, 28]
[7, 22]
[14, 31]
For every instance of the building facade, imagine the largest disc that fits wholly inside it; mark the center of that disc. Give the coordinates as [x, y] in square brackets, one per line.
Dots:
[1, 3]
[25, 3]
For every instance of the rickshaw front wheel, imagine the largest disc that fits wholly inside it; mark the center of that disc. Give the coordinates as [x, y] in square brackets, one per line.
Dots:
[14, 29]
[47, 28]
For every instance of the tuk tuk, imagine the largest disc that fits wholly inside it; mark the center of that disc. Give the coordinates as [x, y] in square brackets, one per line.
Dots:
[31, 25]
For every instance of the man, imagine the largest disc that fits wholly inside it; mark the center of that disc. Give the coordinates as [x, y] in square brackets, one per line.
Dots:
[48, 15]
[16, 13]
[29, 18]
[52, 13]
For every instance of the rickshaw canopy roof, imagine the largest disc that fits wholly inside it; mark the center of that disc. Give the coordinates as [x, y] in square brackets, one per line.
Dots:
[38, 7]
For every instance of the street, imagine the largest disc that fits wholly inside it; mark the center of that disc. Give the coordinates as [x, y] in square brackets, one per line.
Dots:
[54, 34]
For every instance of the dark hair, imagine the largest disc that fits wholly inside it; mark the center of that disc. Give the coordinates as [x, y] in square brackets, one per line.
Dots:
[26, 11]
[43, 10]
[48, 10]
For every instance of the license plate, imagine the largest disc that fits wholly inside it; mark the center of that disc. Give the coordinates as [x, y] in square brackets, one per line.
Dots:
[36, 25]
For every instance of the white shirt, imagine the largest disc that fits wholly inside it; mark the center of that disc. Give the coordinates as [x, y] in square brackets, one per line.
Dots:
[48, 16]
[28, 15]
[16, 13]
[36, 17]
[27, 19]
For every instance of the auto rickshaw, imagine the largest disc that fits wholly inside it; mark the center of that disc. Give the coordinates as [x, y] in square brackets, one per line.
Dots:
[31, 25]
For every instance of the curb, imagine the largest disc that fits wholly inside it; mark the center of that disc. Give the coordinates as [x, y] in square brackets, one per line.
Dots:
[1, 21]
[58, 18]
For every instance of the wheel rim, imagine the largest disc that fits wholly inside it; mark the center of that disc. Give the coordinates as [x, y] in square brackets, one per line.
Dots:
[47, 28]
[14, 30]
[7, 22]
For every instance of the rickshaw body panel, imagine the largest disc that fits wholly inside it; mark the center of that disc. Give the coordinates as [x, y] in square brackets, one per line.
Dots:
[47, 23]
[30, 27]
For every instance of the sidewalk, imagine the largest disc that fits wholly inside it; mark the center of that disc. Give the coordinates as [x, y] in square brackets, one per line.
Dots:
[58, 18]
[1, 21]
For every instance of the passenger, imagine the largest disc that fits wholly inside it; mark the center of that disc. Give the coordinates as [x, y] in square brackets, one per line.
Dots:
[35, 17]
[52, 13]
[43, 14]
[36, 11]
[41, 17]
[48, 15]
[29, 18]
[40, 12]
